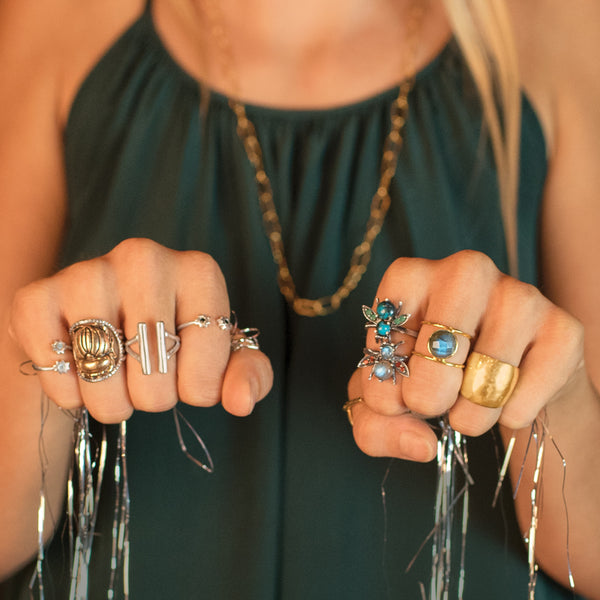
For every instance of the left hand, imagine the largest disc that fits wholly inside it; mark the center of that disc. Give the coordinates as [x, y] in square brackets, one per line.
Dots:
[508, 320]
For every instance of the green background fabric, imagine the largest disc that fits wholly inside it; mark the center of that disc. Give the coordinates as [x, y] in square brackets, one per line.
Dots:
[293, 509]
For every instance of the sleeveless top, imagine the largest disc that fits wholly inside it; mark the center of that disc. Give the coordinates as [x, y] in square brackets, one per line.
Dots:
[293, 509]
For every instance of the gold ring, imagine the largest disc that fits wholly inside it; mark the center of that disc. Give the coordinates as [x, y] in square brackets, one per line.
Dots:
[348, 408]
[97, 349]
[488, 381]
[438, 359]
[442, 344]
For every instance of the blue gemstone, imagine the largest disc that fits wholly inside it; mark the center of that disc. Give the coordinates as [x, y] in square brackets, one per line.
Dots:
[442, 344]
[385, 310]
[382, 371]
[383, 329]
[386, 351]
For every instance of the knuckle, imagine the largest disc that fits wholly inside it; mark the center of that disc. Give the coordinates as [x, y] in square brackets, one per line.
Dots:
[203, 266]
[471, 263]
[138, 254]
[399, 267]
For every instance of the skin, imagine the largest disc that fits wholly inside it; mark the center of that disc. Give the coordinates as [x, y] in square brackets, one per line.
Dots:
[54, 43]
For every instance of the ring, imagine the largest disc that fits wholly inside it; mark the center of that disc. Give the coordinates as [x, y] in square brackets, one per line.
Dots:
[203, 321]
[245, 338]
[60, 366]
[97, 349]
[442, 344]
[387, 318]
[164, 354]
[488, 381]
[385, 362]
[348, 408]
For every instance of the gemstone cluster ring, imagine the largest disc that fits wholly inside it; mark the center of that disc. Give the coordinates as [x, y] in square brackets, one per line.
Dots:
[386, 319]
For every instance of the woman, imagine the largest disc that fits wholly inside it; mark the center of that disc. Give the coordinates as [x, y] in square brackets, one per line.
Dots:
[115, 163]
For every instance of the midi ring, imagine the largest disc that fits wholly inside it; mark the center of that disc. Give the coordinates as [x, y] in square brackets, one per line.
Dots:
[443, 344]
[387, 318]
[60, 366]
[384, 362]
[245, 338]
[348, 408]
[97, 349]
[143, 356]
[488, 381]
[203, 321]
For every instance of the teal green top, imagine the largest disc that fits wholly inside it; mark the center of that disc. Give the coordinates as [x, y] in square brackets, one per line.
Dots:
[293, 509]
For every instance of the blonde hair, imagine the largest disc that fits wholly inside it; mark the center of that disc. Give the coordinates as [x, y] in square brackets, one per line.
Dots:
[483, 31]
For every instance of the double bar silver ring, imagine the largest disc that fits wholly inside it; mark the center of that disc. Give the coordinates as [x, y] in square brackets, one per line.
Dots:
[143, 356]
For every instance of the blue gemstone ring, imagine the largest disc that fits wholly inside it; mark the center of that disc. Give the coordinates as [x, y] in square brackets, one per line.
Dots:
[443, 344]
[387, 318]
[385, 363]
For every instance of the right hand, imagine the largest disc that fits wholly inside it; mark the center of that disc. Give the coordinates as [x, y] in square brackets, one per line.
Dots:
[141, 281]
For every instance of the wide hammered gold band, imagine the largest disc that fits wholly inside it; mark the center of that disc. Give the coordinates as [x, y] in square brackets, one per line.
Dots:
[488, 381]
[348, 408]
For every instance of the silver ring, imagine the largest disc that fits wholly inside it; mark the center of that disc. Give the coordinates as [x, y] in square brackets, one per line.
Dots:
[245, 338]
[387, 318]
[384, 362]
[164, 354]
[203, 321]
[60, 366]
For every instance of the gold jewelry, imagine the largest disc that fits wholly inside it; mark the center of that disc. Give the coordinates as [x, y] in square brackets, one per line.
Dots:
[443, 344]
[381, 199]
[348, 408]
[439, 360]
[97, 349]
[488, 381]
[447, 328]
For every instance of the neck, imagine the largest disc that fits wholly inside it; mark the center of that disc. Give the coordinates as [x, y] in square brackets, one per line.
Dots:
[309, 54]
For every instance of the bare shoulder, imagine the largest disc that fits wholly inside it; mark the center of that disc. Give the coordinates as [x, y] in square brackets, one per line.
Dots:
[56, 42]
[559, 45]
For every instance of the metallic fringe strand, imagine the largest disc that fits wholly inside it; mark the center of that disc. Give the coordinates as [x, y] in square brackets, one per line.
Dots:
[451, 455]
[82, 502]
[120, 527]
[538, 437]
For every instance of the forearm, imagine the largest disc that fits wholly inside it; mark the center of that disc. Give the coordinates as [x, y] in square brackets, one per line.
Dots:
[573, 421]
[21, 460]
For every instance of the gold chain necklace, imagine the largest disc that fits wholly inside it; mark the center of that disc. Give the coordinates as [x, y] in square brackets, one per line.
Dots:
[381, 199]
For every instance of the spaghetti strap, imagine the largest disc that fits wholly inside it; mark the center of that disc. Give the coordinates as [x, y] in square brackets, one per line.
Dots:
[148, 6]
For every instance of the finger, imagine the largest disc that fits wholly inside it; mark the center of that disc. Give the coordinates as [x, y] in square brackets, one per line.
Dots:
[457, 297]
[248, 379]
[205, 350]
[403, 436]
[403, 282]
[543, 371]
[512, 319]
[146, 278]
[36, 322]
[82, 292]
